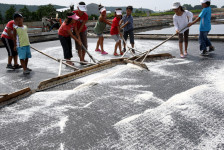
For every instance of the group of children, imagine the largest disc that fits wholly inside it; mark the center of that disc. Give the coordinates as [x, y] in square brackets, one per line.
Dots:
[74, 27]
[116, 26]
[16, 40]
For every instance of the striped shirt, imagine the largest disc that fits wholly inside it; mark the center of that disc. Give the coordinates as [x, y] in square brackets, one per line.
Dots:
[10, 25]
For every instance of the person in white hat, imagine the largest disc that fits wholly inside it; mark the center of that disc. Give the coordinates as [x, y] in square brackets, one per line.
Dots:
[65, 35]
[115, 31]
[205, 27]
[81, 30]
[100, 27]
[180, 20]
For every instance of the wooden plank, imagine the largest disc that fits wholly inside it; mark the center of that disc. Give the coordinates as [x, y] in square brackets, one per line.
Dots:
[15, 94]
[77, 74]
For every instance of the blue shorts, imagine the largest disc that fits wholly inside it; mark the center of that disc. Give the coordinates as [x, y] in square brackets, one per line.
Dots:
[24, 52]
[100, 35]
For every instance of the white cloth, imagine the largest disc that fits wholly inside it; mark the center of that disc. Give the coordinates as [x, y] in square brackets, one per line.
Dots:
[180, 22]
[204, 1]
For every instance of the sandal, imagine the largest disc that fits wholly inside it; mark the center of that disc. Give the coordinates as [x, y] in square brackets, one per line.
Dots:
[115, 54]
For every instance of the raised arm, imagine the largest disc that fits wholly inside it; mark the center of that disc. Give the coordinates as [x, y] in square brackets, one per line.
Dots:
[125, 25]
[105, 21]
[196, 20]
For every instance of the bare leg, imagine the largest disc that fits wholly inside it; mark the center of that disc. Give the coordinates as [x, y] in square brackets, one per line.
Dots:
[132, 45]
[101, 43]
[15, 60]
[186, 46]
[115, 49]
[124, 44]
[98, 43]
[83, 55]
[26, 62]
[10, 60]
[68, 62]
[80, 54]
[181, 49]
[23, 63]
[119, 43]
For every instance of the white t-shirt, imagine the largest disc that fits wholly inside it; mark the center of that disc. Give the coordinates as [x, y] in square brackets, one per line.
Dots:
[180, 22]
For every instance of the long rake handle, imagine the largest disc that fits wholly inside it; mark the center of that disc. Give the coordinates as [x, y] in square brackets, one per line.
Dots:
[88, 53]
[144, 54]
[54, 58]
[156, 47]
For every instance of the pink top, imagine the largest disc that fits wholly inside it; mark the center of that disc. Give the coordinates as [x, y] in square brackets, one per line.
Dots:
[63, 30]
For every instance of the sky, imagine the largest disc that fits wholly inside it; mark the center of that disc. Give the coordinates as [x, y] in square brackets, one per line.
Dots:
[156, 5]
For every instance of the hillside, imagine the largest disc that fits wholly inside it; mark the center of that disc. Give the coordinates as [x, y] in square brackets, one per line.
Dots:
[5, 7]
[92, 8]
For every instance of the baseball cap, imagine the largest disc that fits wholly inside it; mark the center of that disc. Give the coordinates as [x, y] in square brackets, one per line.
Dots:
[75, 17]
[17, 15]
[204, 1]
[176, 5]
[82, 7]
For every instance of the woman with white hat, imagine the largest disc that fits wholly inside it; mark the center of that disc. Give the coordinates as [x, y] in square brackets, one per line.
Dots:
[81, 30]
[180, 20]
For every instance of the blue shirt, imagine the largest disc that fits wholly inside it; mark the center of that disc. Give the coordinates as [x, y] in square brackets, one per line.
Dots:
[129, 26]
[205, 19]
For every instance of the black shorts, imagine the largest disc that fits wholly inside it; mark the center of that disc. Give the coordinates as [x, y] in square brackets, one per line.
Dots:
[66, 44]
[129, 33]
[9, 44]
[83, 37]
[183, 37]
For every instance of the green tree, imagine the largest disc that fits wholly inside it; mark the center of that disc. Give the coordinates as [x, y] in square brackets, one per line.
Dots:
[26, 13]
[9, 13]
[197, 7]
[222, 7]
[188, 6]
[47, 10]
[213, 6]
[34, 16]
[1, 18]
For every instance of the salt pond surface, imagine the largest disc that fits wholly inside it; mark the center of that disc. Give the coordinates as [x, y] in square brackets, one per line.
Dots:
[216, 29]
[177, 105]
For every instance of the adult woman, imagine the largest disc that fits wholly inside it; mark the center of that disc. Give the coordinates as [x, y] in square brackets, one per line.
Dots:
[65, 35]
[81, 29]
[180, 20]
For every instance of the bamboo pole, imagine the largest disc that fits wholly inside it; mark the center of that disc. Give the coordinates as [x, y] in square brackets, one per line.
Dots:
[73, 67]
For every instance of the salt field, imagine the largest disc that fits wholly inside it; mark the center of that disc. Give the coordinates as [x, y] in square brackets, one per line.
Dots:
[216, 29]
[177, 105]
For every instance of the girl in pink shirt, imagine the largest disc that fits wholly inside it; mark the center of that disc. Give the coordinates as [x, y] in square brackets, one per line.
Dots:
[65, 34]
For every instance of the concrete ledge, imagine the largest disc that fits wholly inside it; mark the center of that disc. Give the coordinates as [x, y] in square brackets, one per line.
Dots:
[41, 37]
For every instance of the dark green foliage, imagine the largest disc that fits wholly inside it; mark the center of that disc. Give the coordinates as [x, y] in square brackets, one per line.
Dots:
[26, 13]
[188, 7]
[9, 13]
